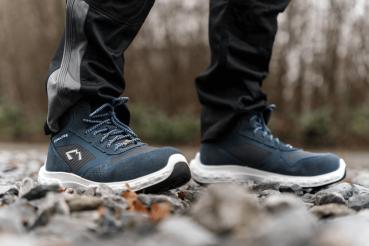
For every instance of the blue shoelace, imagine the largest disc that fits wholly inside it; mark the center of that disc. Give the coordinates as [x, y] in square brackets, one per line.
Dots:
[112, 129]
[261, 127]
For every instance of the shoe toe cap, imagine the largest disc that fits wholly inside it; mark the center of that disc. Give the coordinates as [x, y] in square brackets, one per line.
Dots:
[318, 165]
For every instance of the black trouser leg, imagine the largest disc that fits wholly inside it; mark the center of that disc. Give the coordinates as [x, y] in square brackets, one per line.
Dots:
[241, 35]
[89, 63]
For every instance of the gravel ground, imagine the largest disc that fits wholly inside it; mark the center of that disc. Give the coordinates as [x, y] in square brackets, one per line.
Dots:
[238, 214]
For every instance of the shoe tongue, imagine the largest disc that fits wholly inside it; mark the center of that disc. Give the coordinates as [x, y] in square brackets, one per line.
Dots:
[267, 113]
[121, 110]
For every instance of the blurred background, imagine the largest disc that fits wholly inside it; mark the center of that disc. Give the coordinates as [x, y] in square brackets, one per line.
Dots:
[319, 72]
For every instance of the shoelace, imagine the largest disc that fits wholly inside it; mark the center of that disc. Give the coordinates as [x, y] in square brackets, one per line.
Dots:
[262, 128]
[118, 133]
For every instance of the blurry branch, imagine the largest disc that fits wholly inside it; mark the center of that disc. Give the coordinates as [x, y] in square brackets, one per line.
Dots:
[319, 70]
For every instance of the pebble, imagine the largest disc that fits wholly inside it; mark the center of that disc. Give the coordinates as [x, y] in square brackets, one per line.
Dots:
[282, 203]
[83, 203]
[40, 191]
[331, 210]
[337, 193]
[360, 198]
[224, 208]
[186, 231]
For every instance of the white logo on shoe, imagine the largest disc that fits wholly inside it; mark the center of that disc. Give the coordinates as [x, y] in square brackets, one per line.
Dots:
[76, 153]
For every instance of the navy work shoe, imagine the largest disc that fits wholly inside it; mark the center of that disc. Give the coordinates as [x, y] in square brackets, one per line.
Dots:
[95, 148]
[250, 152]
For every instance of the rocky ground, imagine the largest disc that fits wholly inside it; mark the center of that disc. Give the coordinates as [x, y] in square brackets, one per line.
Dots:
[239, 214]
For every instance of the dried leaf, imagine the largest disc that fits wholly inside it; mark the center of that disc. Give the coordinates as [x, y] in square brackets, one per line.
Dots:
[160, 211]
[134, 204]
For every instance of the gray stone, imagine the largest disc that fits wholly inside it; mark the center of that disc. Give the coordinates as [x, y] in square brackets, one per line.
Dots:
[322, 198]
[289, 228]
[345, 189]
[337, 193]
[360, 198]
[68, 230]
[149, 199]
[293, 188]
[46, 208]
[186, 231]
[104, 190]
[40, 191]
[349, 230]
[10, 196]
[283, 202]
[267, 193]
[26, 186]
[82, 203]
[308, 198]
[6, 188]
[15, 218]
[331, 210]
[91, 191]
[225, 208]
[259, 187]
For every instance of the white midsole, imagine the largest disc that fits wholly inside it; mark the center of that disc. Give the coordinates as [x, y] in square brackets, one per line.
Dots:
[235, 173]
[65, 179]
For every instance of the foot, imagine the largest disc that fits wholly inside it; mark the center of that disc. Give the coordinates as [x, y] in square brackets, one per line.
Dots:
[250, 152]
[96, 148]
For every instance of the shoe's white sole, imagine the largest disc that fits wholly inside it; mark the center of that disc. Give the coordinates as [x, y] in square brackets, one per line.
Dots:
[70, 180]
[207, 174]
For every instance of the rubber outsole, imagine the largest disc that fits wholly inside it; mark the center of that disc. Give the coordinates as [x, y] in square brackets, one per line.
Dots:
[176, 166]
[180, 176]
[208, 174]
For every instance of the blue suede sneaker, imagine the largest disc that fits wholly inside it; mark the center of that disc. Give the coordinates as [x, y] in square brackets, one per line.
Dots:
[250, 152]
[95, 148]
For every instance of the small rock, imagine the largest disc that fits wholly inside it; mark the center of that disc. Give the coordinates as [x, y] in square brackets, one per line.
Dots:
[226, 208]
[337, 193]
[10, 196]
[149, 199]
[348, 230]
[289, 228]
[15, 218]
[26, 186]
[47, 208]
[104, 190]
[322, 198]
[267, 193]
[6, 188]
[331, 210]
[67, 230]
[360, 198]
[91, 191]
[186, 231]
[281, 203]
[259, 187]
[115, 202]
[345, 189]
[82, 203]
[40, 191]
[308, 198]
[294, 188]
[69, 191]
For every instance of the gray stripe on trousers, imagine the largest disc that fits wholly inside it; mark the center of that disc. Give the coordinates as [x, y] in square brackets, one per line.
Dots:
[64, 84]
